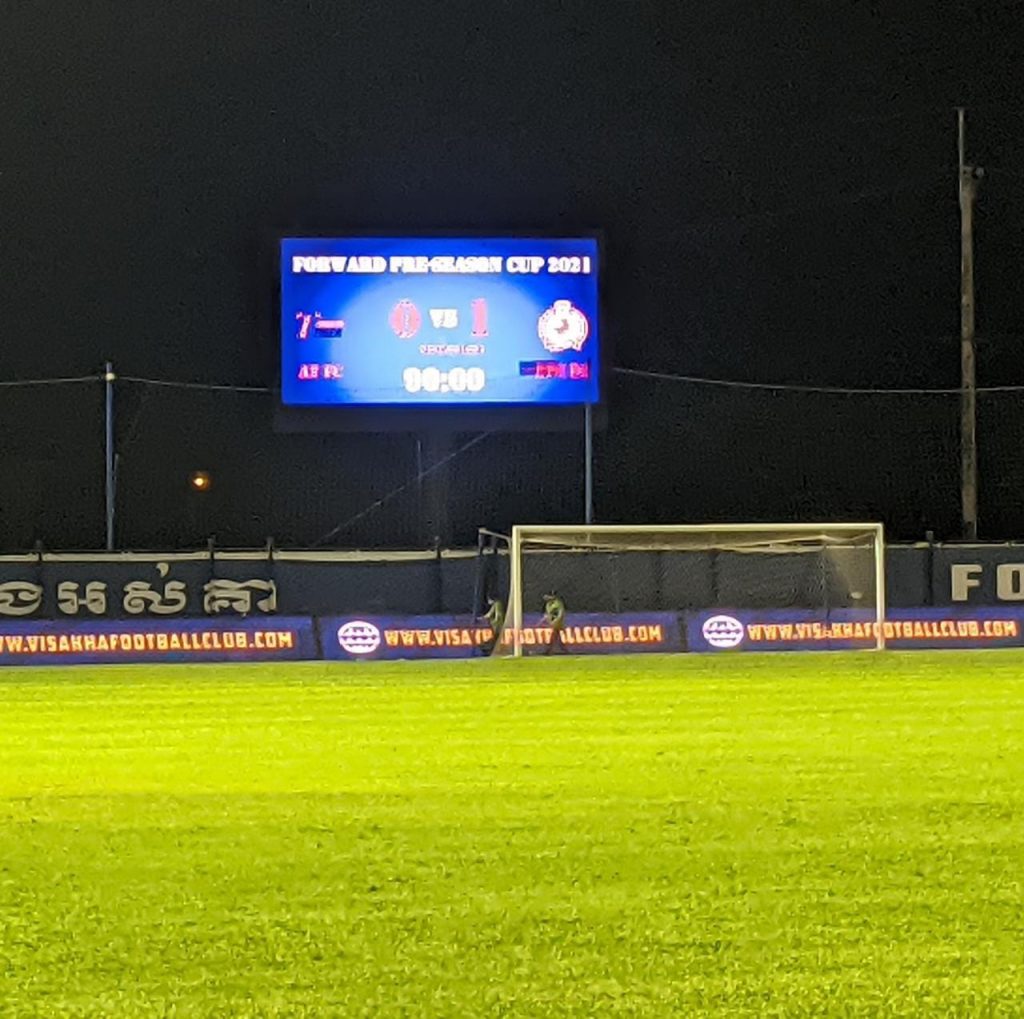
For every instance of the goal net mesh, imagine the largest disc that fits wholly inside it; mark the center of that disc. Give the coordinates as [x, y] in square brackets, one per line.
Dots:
[618, 569]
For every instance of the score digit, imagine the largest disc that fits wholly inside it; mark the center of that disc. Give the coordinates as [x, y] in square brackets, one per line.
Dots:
[479, 307]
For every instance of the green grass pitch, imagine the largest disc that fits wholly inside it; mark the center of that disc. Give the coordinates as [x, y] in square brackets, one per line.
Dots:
[738, 836]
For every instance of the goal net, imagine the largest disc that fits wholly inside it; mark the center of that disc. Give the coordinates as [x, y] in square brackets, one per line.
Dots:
[813, 572]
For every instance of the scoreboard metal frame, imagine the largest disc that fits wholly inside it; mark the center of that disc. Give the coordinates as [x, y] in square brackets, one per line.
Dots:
[447, 418]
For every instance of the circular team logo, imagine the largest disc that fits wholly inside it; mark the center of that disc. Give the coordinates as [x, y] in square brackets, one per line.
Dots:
[358, 637]
[405, 320]
[723, 631]
[563, 327]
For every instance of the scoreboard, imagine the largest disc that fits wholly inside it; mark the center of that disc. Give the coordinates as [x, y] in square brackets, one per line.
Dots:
[435, 321]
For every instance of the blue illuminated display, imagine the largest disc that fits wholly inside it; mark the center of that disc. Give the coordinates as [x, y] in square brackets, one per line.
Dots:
[439, 321]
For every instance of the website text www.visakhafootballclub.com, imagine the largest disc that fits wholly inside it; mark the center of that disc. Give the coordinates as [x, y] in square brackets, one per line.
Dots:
[454, 636]
[155, 642]
[892, 630]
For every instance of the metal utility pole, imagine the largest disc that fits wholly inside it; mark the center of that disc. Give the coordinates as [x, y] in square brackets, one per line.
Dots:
[968, 177]
[108, 380]
[588, 466]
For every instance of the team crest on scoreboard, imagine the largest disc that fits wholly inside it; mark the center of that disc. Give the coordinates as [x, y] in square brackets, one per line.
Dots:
[563, 327]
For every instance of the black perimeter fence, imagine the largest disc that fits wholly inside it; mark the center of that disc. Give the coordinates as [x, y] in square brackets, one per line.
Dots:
[675, 450]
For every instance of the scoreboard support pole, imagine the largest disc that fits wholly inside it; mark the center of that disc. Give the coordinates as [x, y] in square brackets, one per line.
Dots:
[588, 464]
[436, 486]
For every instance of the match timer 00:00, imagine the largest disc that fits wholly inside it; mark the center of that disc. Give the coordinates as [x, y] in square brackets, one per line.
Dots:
[434, 380]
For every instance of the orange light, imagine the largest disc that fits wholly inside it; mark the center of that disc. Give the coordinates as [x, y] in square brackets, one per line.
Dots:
[199, 481]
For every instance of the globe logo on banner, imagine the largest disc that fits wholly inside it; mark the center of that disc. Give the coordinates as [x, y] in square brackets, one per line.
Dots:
[358, 637]
[563, 327]
[723, 631]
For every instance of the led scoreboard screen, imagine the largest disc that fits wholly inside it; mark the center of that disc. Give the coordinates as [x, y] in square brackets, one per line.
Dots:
[439, 321]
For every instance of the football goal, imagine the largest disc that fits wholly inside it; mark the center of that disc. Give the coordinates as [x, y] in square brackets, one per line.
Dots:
[610, 568]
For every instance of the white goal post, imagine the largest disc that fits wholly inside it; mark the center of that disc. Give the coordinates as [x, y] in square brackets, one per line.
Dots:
[812, 567]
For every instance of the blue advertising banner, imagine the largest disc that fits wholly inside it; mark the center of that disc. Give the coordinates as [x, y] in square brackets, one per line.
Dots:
[354, 637]
[447, 636]
[847, 629]
[108, 642]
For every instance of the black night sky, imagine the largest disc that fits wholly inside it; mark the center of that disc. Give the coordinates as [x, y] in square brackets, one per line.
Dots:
[776, 184]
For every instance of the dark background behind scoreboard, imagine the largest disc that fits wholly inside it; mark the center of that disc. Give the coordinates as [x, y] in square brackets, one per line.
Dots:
[778, 191]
